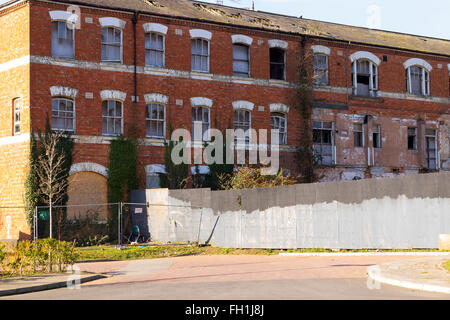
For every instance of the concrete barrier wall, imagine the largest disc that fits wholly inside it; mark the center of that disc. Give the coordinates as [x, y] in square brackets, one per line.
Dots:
[392, 213]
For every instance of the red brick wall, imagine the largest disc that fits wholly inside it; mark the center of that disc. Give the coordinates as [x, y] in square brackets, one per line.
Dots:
[88, 111]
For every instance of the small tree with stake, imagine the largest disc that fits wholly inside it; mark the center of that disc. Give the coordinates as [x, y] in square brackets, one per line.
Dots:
[50, 168]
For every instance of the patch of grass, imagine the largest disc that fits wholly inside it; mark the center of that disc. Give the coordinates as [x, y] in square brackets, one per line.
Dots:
[446, 265]
[160, 250]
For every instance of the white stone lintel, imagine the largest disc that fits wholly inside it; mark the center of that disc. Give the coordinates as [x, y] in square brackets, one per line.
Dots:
[156, 98]
[318, 49]
[241, 104]
[155, 27]
[60, 91]
[242, 39]
[418, 62]
[279, 107]
[274, 43]
[113, 95]
[88, 167]
[201, 102]
[112, 22]
[200, 33]
[365, 55]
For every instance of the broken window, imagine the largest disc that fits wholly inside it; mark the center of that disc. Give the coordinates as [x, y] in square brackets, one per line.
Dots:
[200, 55]
[418, 81]
[277, 64]
[358, 135]
[431, 149]
[364, 78]
[412, 138]
[376, 136]
[241, 60]
[323, 140]
[278, 122]
[320, 69]
[111, 44]
[62, 40]
[154, 50]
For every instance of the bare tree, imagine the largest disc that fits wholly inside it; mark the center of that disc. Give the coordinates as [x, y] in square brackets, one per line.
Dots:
[52, 175]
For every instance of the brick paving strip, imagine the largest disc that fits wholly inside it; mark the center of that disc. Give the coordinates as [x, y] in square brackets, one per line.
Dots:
[426, 274]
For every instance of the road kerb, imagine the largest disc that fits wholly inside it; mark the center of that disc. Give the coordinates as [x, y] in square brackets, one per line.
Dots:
[375, 274]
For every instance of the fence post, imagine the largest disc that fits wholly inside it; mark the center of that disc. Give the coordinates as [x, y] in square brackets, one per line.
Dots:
[118, 224]
[35, 223]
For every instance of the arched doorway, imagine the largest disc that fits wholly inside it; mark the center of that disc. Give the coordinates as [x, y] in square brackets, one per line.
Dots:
[87, 185]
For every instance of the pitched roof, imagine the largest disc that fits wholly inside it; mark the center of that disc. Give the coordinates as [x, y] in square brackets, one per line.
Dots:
[208, 12]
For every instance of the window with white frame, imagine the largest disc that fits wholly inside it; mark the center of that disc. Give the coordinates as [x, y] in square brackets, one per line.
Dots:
[358, 135]
[155, 120]
[431, 159]
[200, 123]
[241, 60]
[111, 44]
[17, 106]
[63, 37]
[242, 121]
[418, 80]
[112, 117]
[63, 114]
[200, 55]
[277, 63]
[278, 122]
[154, 49]
[364, 78]
[321, 69]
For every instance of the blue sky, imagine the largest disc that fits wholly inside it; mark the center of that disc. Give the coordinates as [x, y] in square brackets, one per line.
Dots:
[427, 18]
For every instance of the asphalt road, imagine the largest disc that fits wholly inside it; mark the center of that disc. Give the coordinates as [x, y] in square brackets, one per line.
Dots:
[235, 278]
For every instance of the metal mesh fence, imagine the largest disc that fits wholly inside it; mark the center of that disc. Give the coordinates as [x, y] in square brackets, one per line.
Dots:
[87, 224]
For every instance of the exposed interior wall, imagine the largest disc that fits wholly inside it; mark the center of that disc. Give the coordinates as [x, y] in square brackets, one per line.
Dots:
[396, 213]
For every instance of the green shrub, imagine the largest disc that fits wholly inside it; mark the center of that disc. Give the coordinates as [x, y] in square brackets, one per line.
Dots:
[27, 257]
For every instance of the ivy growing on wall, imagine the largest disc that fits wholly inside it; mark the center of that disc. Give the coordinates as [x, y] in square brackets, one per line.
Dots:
[303, 101]
[33, 194]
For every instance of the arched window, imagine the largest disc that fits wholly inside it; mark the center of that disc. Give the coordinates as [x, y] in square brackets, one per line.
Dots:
[63, 114]
[365, 74]
[417, 76]
[112, 117]
[418, 81]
